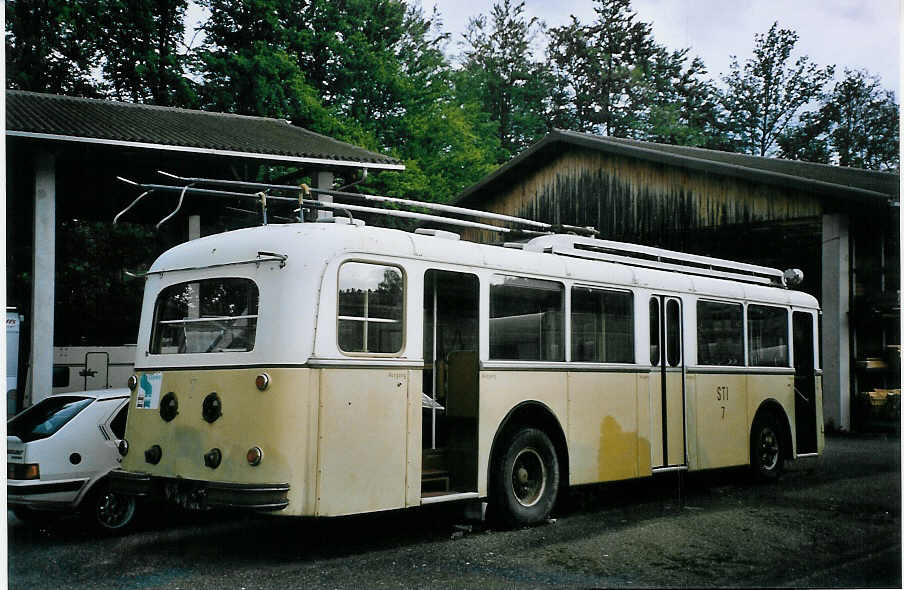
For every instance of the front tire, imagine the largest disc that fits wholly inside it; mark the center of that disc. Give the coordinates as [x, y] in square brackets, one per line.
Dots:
[109, 511]
[767, 455]
[525, 478]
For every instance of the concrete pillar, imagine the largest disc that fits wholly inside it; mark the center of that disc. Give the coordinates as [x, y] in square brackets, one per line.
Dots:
[324, 179]
[836, 331]
[43, 267]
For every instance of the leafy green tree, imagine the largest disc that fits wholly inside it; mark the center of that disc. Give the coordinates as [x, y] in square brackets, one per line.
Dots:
[864, 122]
[446, 144]
[141, 41]
[51, 46]
[500, 74]
[807, 140]
[765, 95]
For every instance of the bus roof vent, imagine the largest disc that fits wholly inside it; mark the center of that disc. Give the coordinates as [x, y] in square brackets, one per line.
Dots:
[437, 233]
[658, 258]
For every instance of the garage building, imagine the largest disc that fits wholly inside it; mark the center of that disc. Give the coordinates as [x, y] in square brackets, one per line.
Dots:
[839, 225]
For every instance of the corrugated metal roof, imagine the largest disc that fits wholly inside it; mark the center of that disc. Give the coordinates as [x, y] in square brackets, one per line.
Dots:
[66, 118]
[820, 179]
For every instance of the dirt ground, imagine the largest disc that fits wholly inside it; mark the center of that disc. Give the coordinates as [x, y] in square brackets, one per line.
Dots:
[832, 521]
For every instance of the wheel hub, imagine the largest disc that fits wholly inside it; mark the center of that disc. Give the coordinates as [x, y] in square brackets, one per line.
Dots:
[528, 477]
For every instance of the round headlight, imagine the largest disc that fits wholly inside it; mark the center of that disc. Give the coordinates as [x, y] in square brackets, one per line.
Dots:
[133, 382]
[123, 447]
[255, 455]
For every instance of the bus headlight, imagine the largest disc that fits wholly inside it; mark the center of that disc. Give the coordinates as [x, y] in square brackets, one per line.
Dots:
[255, 455]
[133, 382]
[123, 447]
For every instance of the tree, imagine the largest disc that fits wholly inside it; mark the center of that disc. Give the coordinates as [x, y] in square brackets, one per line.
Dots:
[500, 75]
[863, 121]
[51, 46]
[598, 65]
[616, 80]
[141, 40]
[807, 140]
[765, 95]
[247, 68]
[856, 125]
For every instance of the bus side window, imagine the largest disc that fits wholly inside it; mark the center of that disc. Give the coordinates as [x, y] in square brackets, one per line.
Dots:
[602, 326]
[767, 336]
[370, 308]
[720, 339]
[526, 319]
[654, 332]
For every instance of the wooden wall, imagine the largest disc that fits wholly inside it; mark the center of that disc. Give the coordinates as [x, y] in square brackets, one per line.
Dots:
[634, 200]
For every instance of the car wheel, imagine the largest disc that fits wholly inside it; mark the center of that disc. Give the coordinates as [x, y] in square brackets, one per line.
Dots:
[525, 478]
[110, 511]
[766, 452]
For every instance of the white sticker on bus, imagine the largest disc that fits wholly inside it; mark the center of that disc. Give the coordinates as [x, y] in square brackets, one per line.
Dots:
[149, 391]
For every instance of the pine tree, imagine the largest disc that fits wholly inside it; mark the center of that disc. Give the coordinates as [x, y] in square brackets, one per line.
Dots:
[246, 67]
[500, 74]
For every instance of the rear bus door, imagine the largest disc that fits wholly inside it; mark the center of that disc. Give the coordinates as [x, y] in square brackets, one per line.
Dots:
[667, 382]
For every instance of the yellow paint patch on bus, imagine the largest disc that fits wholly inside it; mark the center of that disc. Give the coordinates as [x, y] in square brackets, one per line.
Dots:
[618, 451]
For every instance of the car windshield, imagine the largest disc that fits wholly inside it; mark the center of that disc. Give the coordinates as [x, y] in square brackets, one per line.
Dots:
[46, 417]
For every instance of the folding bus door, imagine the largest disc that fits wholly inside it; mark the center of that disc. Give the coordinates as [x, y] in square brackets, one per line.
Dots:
[804, 383]
[667, 383]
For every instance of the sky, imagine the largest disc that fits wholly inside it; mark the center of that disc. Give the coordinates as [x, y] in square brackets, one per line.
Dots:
[847, 33]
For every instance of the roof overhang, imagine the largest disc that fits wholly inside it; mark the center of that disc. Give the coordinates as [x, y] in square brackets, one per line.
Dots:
[207, 151]
[557, 139]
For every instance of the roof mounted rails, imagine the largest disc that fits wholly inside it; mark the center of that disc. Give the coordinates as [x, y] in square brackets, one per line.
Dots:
[658, 258]
[277, 193]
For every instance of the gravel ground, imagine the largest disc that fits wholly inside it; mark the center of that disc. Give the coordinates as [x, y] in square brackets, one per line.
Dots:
[834, 521]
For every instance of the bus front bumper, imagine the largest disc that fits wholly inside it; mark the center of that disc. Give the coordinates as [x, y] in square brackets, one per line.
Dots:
[201, 495]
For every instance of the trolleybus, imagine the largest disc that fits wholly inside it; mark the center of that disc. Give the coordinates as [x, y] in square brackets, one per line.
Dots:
[333, 368]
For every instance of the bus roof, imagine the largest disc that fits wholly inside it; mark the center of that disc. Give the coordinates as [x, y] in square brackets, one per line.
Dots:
[325, 241]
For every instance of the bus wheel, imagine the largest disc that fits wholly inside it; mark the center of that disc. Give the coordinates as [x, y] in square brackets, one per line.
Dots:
[766, 453]
[525, 478]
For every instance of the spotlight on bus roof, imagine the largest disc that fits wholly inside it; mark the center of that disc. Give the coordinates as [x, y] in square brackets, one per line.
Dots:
[793, 277]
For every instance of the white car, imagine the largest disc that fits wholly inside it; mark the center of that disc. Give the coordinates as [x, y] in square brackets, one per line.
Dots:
[59, 452]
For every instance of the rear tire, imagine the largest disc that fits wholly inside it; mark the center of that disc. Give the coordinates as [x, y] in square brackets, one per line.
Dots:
[767, 455]
[109, 511]
[525, 478]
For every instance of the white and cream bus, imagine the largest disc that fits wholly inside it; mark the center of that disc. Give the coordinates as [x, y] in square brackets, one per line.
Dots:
[324, 369]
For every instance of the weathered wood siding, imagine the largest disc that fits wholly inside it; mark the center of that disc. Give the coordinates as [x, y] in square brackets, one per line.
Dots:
[639, 201]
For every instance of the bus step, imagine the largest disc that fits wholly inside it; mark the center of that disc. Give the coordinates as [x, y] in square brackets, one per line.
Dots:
[434, 480]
